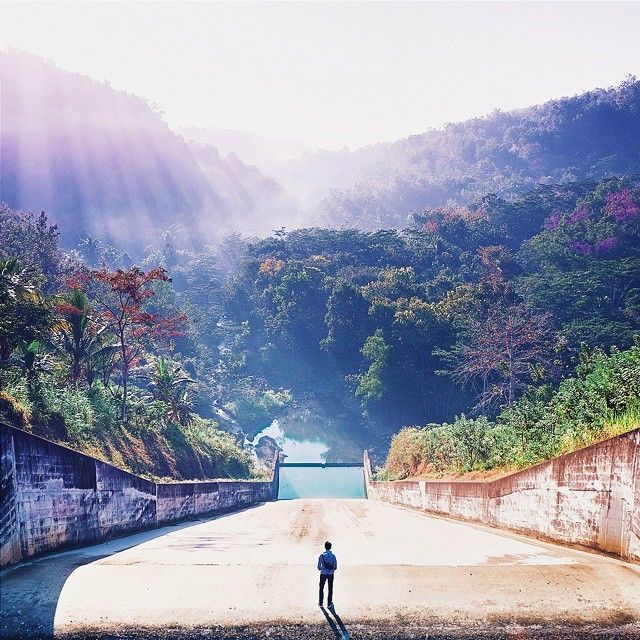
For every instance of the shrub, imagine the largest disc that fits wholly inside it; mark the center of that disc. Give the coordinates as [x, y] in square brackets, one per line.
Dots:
[439, 447]
[474, 442]
[76, 410]
[601, 400]
[405, 454]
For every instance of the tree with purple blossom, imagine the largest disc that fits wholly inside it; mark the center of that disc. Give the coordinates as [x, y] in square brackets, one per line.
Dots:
[581, 247]
[621, 206]
[553, 221]
[579, 215]
[606, 245]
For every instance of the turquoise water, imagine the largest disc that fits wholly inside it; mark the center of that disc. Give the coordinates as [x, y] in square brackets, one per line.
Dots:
[296, 449]
[321, 482]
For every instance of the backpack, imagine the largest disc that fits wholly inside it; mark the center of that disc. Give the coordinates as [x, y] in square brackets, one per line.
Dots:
[325, 563]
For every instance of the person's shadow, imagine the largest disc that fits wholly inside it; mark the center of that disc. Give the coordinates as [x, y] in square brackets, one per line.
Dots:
[336, 624]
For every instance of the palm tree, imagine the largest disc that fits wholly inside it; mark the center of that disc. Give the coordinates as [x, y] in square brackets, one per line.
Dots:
[170, 384]
[78, 337]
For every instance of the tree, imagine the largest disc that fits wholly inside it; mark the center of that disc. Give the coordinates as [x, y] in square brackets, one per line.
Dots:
[120, 297]
[91, 250]
[170, 385]
[78, 336]
[24, 313]
[370, 383]
[502, 352]
[33, 360]
[34, 242]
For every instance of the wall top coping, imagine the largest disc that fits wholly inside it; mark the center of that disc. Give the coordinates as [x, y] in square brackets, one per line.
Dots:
[322, 465]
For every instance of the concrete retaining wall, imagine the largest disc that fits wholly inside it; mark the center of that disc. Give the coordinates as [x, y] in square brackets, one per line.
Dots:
[54, 497]
[590, 497]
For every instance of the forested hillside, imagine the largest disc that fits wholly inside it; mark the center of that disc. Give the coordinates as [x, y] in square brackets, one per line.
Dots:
[480, 310]
[103, 163]
[86, 360]
[589, 136]
[398, 322]
[259, 204]
[473, 270]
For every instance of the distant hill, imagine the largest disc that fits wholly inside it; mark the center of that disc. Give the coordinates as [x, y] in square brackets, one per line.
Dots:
[591, 136]
[306, 173]
[260, 151]
[258, 203]
[103, 163]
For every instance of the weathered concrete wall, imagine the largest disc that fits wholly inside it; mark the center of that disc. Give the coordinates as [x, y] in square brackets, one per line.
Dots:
[590, 497]
[189, 499]
[54, 497]
[9, 528]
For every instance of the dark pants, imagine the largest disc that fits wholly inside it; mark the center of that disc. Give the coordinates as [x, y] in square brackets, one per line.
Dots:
[324, 579]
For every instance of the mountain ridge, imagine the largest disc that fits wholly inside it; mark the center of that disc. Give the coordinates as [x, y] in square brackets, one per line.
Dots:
[103, 162]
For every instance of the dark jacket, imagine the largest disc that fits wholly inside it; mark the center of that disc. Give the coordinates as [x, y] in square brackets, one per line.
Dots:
[327, 563]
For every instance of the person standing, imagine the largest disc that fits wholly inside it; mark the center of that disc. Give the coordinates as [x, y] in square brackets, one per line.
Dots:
[327, 564]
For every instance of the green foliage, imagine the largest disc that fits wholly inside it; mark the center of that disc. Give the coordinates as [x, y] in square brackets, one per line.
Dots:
[476, 303]
[34, 242]
[79, 337]
[601, 400]
[217, 452]
[255, 409]
[24, 314]
[370, 384]
[170, 385]
[33, 360]
[473, 440]
[563, 141]
[76, 409]
[58, 357]
[497, 301]
[405, 454]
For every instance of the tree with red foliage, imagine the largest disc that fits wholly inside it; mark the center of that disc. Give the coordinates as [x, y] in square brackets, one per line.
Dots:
[120, 297]
[502, 351]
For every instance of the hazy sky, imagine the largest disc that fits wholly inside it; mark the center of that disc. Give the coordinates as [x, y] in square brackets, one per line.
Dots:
[334, 74]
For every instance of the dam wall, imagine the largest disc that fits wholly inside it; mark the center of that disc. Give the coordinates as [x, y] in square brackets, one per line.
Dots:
[590, 497]
[53, 497]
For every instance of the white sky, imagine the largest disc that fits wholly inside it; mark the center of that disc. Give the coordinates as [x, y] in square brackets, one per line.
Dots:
[334, 74]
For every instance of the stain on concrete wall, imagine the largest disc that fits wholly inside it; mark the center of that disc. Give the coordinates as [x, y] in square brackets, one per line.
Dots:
[54, 497]
[125, 501]
[188, 499]
[590, 497]
[9, 528]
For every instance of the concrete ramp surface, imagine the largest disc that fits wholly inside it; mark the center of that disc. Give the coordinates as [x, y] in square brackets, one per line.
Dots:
[396, 567]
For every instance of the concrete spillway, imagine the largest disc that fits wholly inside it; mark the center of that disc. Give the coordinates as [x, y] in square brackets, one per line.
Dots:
[317, 480]
[396, 567]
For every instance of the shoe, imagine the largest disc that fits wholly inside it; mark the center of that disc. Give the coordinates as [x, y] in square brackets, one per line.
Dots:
[319, 604]
[330, 605]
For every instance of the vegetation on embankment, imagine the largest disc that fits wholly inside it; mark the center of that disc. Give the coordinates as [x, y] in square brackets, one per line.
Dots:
[88, 359]
[147, 444]
[601, 400]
